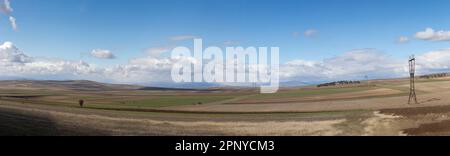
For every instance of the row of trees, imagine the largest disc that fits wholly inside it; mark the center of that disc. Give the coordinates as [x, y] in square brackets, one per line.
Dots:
[431, 76]
[339, 83]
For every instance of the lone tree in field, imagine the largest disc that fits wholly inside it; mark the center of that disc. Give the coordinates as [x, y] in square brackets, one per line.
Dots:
[81, 102]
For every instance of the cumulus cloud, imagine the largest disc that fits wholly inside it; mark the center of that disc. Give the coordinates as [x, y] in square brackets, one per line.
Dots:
[357, 63]
[11, 54]
[434, 61]
[145, 70]
[402, 39]
[430, 34]
[102, 53]
[14, 63]
[351, 65]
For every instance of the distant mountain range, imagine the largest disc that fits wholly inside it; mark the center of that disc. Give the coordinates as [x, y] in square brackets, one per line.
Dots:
[82, 85]
[85, 85]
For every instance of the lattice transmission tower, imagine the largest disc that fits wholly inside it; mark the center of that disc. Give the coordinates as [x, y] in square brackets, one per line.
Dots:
[412, 82]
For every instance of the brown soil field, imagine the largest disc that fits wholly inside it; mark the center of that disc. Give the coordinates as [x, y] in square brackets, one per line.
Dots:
[379, 110]
[338, 96]
[427, 120]
[18, 119]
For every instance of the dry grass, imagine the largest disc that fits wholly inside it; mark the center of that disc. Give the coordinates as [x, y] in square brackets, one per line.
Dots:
[426, 118]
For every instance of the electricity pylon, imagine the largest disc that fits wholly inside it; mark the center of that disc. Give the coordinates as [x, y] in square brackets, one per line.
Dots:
[412, 83]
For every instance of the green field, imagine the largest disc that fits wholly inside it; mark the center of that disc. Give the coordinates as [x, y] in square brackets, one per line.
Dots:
[132, 99]
[155, 99]
[310, 92]
[164, 101]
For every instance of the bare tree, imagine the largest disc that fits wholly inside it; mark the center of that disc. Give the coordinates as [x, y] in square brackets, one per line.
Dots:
[81, 102]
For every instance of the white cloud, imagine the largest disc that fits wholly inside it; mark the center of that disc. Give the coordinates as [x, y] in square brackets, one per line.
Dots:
[402, 39]
[146, 70]
[103, 54]
[142, 71]
[311, 32]
[434, 61]
[430, 34]
[11, 54]
[182, 37]
[301, 70]
[5, 7]
[14, 63]
[358, 63]
[352, 65]
[156, 52]
[308, 33]
[12, 20]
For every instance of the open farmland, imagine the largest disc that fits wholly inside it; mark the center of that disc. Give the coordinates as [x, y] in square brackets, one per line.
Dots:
[51, 108]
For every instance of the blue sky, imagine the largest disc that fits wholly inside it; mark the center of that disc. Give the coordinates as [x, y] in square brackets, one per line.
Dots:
[63, 29]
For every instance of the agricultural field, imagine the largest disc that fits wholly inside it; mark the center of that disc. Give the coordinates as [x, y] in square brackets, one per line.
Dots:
[52, 108]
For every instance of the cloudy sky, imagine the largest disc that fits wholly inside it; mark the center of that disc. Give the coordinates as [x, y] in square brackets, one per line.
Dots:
[129, 41]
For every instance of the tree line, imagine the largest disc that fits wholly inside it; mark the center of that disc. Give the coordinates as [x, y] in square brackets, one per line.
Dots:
[430, 76]
[339, 83]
